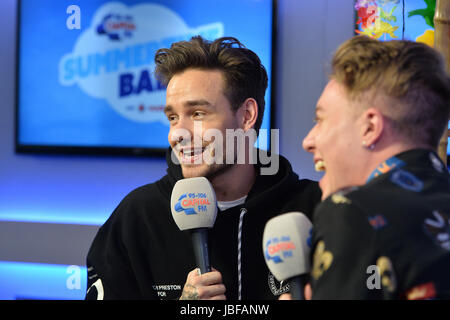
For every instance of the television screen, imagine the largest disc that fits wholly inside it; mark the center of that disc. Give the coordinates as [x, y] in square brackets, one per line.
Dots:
[397, 19]
[85, 79]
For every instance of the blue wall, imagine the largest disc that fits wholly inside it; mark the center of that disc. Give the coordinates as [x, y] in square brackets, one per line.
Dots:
[51, 206]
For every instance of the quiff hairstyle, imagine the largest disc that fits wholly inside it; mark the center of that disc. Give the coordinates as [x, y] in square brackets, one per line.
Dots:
[244, 75]
[408, 76]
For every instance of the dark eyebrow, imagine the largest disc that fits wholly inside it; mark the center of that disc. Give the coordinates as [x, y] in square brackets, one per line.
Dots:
[200, 102]
[167, 109]
[190, 103]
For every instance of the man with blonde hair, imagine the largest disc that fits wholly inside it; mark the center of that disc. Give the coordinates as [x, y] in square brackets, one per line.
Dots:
[382, 230]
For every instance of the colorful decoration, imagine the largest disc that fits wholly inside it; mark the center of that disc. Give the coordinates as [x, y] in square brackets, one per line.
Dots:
[427, 13]
[377, 30]
[363, 3]
[386, 19]
[375, 18]
[427, 37]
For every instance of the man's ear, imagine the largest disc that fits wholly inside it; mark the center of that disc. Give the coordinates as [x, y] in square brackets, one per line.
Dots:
[248, 113]
[373, 126]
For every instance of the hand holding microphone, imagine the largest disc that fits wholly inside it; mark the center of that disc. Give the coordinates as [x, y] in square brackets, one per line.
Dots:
[194, 208]
[286, 250]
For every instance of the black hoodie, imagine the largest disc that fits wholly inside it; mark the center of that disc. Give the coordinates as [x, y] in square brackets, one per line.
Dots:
[139, 253]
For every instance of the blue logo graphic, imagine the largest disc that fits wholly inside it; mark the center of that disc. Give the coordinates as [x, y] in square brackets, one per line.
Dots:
[116, 26]
[276, 248]
[179, 207]
[407, 180]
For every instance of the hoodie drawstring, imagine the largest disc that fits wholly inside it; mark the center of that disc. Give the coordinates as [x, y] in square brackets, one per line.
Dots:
[241, 218]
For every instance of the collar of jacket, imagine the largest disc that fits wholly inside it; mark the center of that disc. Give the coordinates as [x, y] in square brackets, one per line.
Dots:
[412, 157]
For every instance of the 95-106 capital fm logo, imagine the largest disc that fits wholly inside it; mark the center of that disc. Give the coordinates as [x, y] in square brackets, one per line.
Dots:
[279, 248]
[189, 202]
[112, 59]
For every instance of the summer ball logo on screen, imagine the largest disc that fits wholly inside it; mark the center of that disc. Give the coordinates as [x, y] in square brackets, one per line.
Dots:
[113, 58]
[116, 27]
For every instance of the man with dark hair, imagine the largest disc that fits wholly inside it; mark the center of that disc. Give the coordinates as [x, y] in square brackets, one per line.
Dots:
[383, 228]
[212, 88]
[243, 73]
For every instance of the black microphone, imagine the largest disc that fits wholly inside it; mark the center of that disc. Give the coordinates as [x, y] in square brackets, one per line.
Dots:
[194, 207]
[286, 250]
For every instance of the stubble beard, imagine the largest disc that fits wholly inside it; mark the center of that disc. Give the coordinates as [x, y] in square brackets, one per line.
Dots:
[209, 171]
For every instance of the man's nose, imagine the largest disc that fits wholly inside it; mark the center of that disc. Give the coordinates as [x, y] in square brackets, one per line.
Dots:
[308, 142]
[181, 131]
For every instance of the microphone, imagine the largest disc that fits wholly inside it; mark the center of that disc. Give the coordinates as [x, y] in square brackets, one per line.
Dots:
[194, 208]
[286, 247]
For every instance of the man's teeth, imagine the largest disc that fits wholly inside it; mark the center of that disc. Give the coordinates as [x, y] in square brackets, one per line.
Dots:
[320, 165]
[193, 152]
